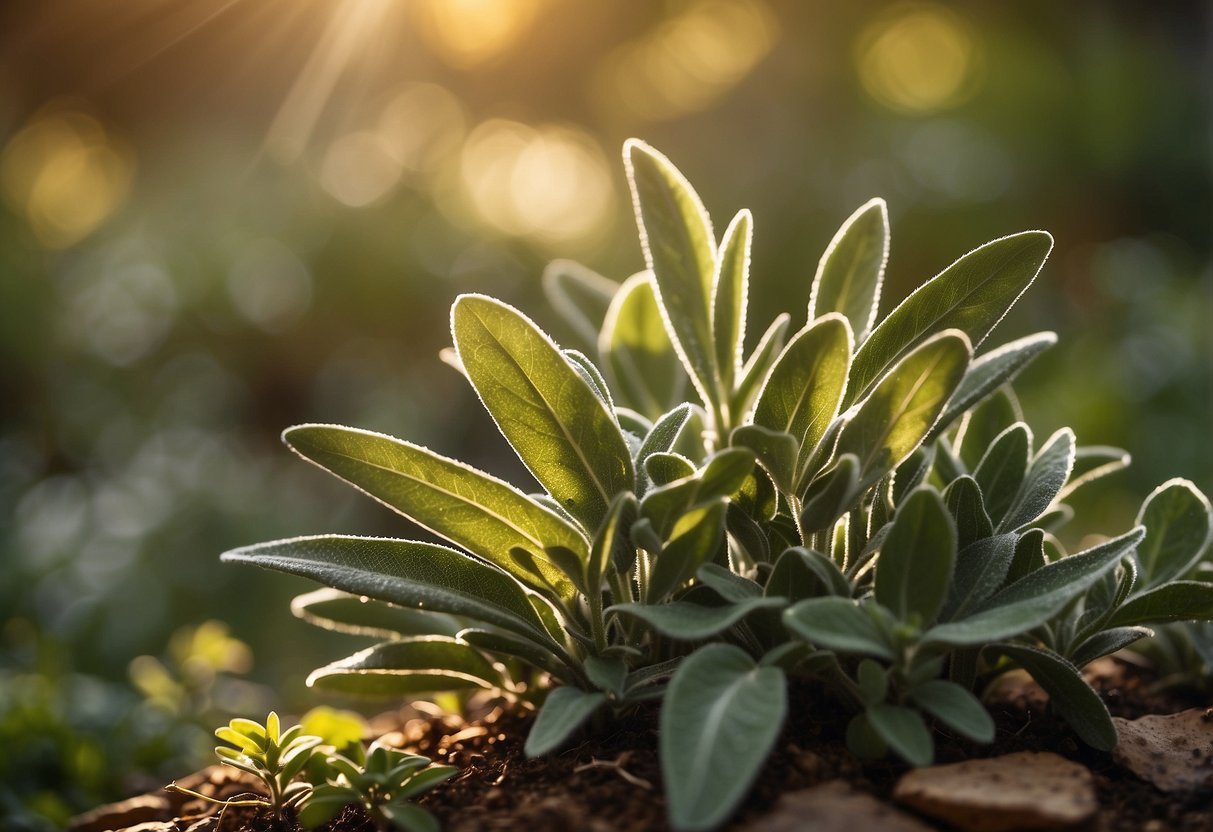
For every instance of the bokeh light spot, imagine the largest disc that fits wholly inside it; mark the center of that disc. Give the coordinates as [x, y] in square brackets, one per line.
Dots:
[467, 33]
[269, 285]
[919, 58]
[360, 168]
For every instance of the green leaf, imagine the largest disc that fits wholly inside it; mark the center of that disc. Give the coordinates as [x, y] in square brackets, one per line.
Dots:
[558, 426]
[971, 295]
[1179, 526]
[636, 350]
[679, 247]
[611, 544]
[983, 424]
[1003, 468]
[562, 713]
[696, 537]
[591, 375]
[965, 503]
[721, 717]
[1106, 642]
[956, 708]
[556, 663]
[802, 393]
[481, 513]
[917, 558]
[989, 372]
[357, 615]
[664, 468]
[801, 573]
[1068, 692]
[721, 476]
[1046, 475]
[1094, 462]
[1037, 597]
[729, 292]
[838, 624]
[409, 817]
[893, 420]
[580, 295]
[831, 495]
[776, 452]
[758, 365]
[903, 730]
[423, 781]
[662, 439]
[981, 568]
[1176, 601]
[607, 673]
[1029, 555]
[693, 622]
[851, 271]
[323, 804]
[409, 667]
[726, 583]
[404, 572]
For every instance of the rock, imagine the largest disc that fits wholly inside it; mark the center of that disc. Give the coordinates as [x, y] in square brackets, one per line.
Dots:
[834, 806]
[145, 808]
[1025, 790]
[1173, 752]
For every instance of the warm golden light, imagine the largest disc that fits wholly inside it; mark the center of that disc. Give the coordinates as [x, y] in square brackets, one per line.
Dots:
[66, 174]
[918, 58]
[549, 183]
[690, 61]
[360, 168]
[466, 33]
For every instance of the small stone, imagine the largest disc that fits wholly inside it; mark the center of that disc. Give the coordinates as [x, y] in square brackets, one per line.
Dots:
[834, 806]
[1025, 790]
[1173, 752]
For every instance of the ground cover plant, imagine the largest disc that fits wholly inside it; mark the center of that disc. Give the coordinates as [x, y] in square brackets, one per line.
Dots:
[857, 502]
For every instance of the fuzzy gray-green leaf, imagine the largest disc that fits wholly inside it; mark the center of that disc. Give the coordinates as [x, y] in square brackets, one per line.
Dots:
[693, 622]
[904, 731]
[695, 538]
[407, 668]
[636, 350]
[729, 293]
[1176, 601]
[1046, 475]
[562, 713]
[580, 295]
[916, 559]
[955, 707]
[1069, 693]
[964, 500]
[851, 271]
[721, 716]
[1002, 470]
[838, 624]
[358, 615]
[558, 426]
[1179, 526]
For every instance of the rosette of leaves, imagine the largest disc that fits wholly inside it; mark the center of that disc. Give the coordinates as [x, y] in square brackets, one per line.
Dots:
[382, 781]
[857, 501]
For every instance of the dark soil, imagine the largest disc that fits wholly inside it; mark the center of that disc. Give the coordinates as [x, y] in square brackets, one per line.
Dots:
[614, 781]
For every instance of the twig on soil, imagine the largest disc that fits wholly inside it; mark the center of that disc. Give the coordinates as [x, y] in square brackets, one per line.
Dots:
[617, 766]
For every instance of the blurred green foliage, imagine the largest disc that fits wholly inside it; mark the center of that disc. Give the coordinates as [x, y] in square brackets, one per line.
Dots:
[215, 227]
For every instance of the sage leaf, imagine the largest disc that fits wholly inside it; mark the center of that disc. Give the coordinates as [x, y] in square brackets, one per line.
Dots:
[1046, 475]
[591, 375]
[803, 391]
[662, 468]
[801, 573]
[851, 270]
[758, 365]
[721, 717]
[694, 622]
[1106, 642]
[775, 450]
[1003, 468]
[696, 537]
[580, 295]
[964, 500]
[607, 673]
[1093, 462]
[893, 420]
[1068, 693]
[956, 708]
[557, 425]
[1176, 601]
[729, 293]
[1179, 526]
[409, 667]
[500, 643]
[357, 615]
[831, 495]
[481, 513]
[982, 425]
[562, 713]
[917, 558]
[903, 731]
[981, 568]
[1037, 597]
[838, 624]
[679, 248]
[971, 295]
[636, 350]
[611, 545]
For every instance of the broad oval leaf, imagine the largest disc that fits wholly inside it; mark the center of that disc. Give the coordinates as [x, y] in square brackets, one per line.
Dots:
[776, 451]
[1068, 692]
[902, 730]
[914, 569]
[1092, 462]
[680, 249]
[838, 624]
[470, 508]
[721, 716]
[1037, 597]
[557, 425]
[332, 609]
[981, 568]
[694, 622]
[407, 668]
[696, 537]
[1106, 642]
[831, 495]
[1176, 601]
[729, 292]
[1179, 526]
[802, 573]
[971, 295]
[893, 420]
[851, 271]
[580, 295]
[803, 391]
[964, 500]
[562, 713]
[636, 350]
[404, 572]
[1003, 468]
[955, 707]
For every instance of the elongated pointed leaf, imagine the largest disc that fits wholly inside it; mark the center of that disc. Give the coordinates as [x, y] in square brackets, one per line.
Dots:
[722, 475]
[983, 424]
[636, 350]
[1179, 526]
[729, 297]
[721, 716]
[679, 248]
[557, 425]
[694, 622]
[801, 573]
[838, 624]
[965, 503]
[1003, 468]
[593, 377]
[893, 420]
[1107, 642]
[580, 295]
[776, 451]
[358, 615]
[916, 559]
[407, 668]
[971, 295]
[1092, 462]
[981, 568]
[611, 544]
[903, 730]
[831, 495]
[956, 708]
[696, 537]
[989, 372]
[1046, 475]
[1176, 601]
[544, 658]
[404, 572]
[1069, 693]
[472, 509]
[802, 393]
[758, 365]
[851, 271]
[1037, 597]
[562, 713]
